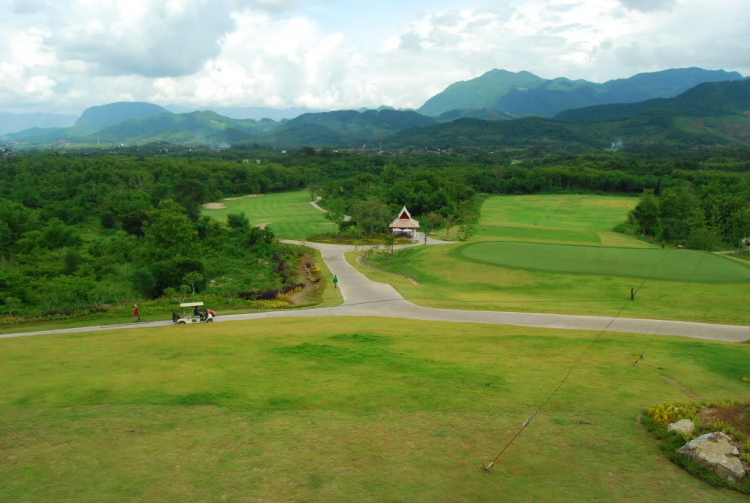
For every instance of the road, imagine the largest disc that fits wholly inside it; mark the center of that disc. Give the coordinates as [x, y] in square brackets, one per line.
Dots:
[364, 297]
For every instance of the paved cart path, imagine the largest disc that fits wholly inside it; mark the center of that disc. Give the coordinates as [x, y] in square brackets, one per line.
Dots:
[364, 297]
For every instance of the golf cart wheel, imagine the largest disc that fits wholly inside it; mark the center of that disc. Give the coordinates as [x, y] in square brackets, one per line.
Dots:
[181, 322]
[209, 321]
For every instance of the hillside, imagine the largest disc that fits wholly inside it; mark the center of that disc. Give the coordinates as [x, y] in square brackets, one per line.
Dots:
[196, 127]
[526, 94]
[100, 117]
[344, 127]
[11, 123]
[711, 114]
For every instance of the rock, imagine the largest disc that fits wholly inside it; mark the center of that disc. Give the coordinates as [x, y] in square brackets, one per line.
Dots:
[716, 452]
[685, 426]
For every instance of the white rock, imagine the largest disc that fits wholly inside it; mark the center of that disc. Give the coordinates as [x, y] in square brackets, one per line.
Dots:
[715, 451]
[685, 426]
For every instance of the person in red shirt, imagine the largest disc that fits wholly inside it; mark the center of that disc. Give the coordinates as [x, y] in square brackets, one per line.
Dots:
[136, 313]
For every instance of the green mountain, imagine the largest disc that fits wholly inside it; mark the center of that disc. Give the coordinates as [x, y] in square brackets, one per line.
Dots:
[195, 127]
[711, 114]
[526, 94]
[344, 127]
[10, 122]
[100, 117]
[481, 92]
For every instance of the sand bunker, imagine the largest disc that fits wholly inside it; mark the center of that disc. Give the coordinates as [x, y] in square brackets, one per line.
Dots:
[262, 225]
[214, 206]
[242, 197]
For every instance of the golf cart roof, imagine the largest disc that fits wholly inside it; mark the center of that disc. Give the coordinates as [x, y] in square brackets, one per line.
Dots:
[191, 304]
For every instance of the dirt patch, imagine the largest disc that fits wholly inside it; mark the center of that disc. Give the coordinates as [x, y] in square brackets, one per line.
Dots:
[214, 206]
[365, 264]
[682, 388]
[247, 196]
[309, 278]
[263, 225]
[737, 416]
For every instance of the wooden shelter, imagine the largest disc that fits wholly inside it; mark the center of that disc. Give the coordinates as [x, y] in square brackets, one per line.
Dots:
[404, 225]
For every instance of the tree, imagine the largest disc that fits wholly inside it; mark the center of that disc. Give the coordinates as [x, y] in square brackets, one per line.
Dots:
[370, 214]
[143, 282]
[646, 212]
[192, 279]
[169, 233]
[449, 220]
[335, 214]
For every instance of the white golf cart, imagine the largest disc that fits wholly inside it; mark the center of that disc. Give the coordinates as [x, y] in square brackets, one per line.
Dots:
[190, 317]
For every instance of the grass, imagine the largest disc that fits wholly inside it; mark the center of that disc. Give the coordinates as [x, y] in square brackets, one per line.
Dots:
[582, 219]
[592, 278]
[675, 265]
[446, 281]
[365, 410]
[288, 214]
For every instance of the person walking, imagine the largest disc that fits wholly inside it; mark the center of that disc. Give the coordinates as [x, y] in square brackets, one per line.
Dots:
[136, 313]
[335, 281]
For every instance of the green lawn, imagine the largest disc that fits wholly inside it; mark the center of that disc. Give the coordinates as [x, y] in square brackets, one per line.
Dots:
[448, 281]
[366, 410]
[674, 265]
[288, 214]
[513, 265]
[571, 219]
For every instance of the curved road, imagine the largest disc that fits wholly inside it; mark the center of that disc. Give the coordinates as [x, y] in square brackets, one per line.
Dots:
[364, 297]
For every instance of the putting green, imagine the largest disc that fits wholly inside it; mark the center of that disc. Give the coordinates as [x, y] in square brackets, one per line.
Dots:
[674, 265]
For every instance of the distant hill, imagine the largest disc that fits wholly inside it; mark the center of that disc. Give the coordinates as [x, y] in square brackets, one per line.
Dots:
[524, 93]
[483, 113]
[100, 117]
[11, 123]
[255, 113]
[196, 127]
[344, 127]
[478, 93]
[711, 114]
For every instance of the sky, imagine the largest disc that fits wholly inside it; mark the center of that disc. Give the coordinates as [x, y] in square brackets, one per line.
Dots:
[66, 55]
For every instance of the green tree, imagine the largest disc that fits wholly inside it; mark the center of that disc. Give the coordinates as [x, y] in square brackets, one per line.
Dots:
[335, 214]
[192, 279]
[646, 212]
[143, 282]
[169, 233]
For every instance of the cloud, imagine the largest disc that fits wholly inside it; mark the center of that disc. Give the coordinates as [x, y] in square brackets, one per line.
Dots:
[648, 5]
[67, 55]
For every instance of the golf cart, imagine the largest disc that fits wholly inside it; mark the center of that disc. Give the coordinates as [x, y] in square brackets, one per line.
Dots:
[190, 316]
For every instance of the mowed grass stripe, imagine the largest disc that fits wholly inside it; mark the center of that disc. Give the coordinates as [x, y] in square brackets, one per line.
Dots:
[680, 265]
[556, 218]
[288, 214]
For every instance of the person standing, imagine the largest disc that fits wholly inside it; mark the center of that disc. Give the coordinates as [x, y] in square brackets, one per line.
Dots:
[335, 281]
[136, 313]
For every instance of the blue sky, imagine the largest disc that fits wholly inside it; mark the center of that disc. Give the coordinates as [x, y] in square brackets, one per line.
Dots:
[66, 55]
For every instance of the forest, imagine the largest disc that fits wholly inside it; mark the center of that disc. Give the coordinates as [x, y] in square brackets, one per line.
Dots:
[91, 229]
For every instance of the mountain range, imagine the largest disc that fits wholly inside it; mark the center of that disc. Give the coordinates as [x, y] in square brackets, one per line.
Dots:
[524, 93]
[710, 113]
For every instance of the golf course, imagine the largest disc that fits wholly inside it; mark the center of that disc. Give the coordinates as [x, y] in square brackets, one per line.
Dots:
[360, 403]
[513, 265]
[348, 409]
[288, 214]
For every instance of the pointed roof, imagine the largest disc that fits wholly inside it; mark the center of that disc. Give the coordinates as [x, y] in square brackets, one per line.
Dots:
[404, 221]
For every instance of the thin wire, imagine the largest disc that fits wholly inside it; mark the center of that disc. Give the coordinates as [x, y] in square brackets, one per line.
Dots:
[573, 366]
[677, 299]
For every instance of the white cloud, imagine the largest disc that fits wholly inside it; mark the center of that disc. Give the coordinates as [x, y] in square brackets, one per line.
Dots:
[69, 55]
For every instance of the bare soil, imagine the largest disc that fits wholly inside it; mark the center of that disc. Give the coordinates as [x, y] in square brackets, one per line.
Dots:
[214, 206]
[737, 416]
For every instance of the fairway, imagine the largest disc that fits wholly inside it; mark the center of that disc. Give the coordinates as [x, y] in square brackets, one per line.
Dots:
[675, 265]
[355, 409]
[288, 214]
[583, 219]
